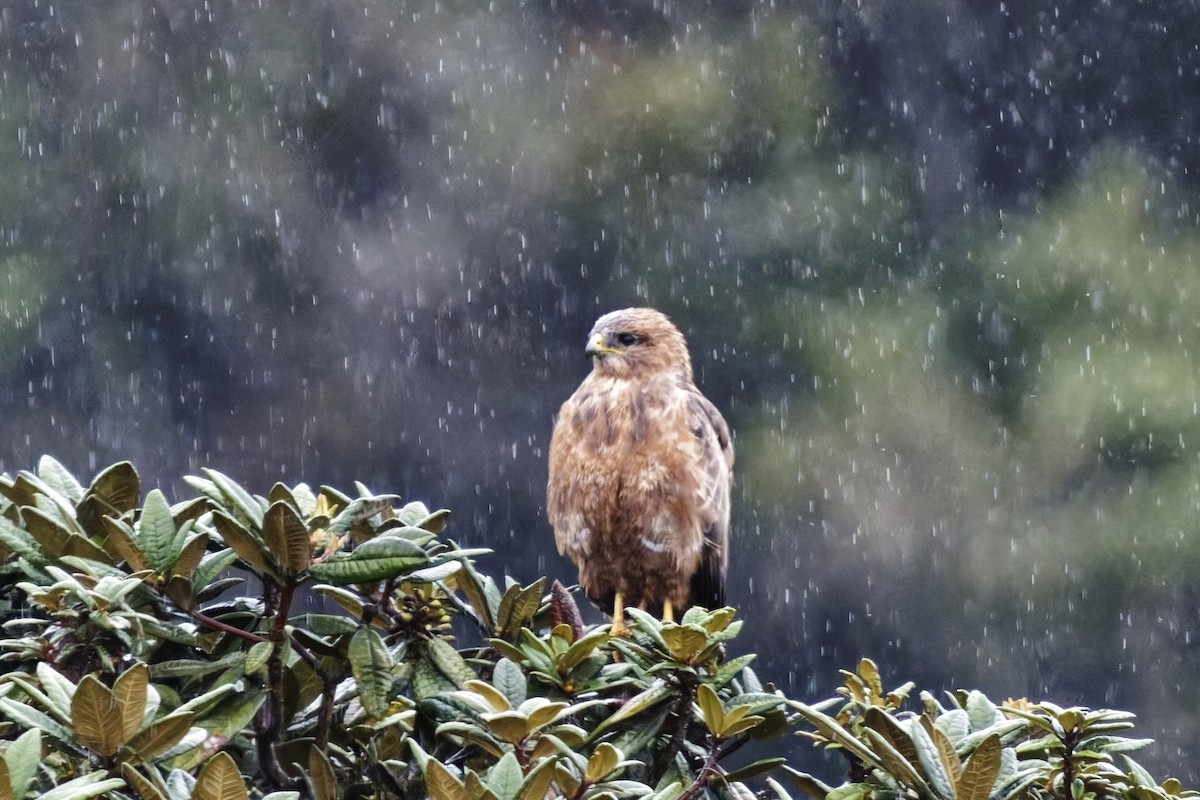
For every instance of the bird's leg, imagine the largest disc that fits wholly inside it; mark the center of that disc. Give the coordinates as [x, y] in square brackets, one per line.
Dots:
[619, 628]
[668, 611]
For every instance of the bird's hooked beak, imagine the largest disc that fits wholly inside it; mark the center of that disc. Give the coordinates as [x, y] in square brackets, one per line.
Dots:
[598, 346]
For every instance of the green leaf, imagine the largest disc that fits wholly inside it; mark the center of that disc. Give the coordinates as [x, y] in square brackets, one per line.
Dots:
[601, 763]
[981, 711]
[411, 513]
[438, 572]
[371, 664]
[510, 680]
[647, 624]
[31, 718]
[484, 696]
[711, 710]
[730, 670]
[22, 759]
[304, 499]
[474, 586]
[142, 785]
[896, 763]
[287, 537]
[378, 559]
[47, 531]
[257, 656]
[870, 675]
[517, 608]
[237, 498]
[832, 729]
[349, 600]
[507, 726]
[16, 490]
[656, 693]
[21, 543]
[435, 521]
[121, 544]
[931, 761]
[161, 735]
[58, 689]
[891, 729]
[813, 787]
[223, 723]
[1113, 744]
[851, 791]
[542, 712]
[448, 662]
[81, 547]
[1006, 729]
[684, 644]
[1038, 721]
[109, 590]
[220, 779]
[428, 681]
[418, 536]
[321, 778]
[249, 548]
[505, 778]
[671, 791]
[582, 648]
[190, 510]
[211, 567]
[156, 533]
[56, 476]
[187, 667]
[94, 784]
[211, 698]
[955, 724]
[739, 720]
[193, 550]
[1071, 718]
[359, 511]
[508, 650]
[754, 769]
[537, 782]
[471, 734]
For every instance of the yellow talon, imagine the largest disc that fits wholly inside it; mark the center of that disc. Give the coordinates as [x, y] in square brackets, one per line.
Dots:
[619, 628]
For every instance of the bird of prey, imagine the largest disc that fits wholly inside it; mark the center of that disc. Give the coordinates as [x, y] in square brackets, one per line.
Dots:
[640, 470]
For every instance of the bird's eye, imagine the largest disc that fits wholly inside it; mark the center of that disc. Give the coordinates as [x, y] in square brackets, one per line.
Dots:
[627, 339]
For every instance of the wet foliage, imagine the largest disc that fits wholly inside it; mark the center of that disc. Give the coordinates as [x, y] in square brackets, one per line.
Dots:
[936, 261]
[155, 651]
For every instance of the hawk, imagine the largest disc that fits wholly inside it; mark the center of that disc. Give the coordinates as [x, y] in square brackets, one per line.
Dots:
[641, 465]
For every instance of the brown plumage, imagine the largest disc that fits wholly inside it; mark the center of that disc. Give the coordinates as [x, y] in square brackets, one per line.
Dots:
[640, 472]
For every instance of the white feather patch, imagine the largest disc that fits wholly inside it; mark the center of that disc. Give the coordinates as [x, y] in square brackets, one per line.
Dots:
[653, 545]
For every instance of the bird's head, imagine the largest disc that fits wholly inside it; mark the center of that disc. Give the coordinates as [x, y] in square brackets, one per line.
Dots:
[637, 340]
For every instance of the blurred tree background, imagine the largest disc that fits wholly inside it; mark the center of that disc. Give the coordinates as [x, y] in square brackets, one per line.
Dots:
[937, 262]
